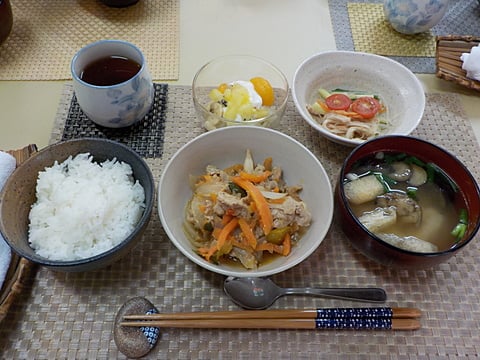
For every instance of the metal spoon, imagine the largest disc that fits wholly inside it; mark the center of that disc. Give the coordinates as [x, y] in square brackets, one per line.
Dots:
[260, 293]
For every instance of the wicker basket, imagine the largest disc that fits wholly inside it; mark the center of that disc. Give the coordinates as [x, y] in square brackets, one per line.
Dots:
[448, 52]
[20, 270]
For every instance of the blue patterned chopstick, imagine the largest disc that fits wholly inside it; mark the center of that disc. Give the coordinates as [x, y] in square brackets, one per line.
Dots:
[321, 313]
[355, 313]
[354, 323]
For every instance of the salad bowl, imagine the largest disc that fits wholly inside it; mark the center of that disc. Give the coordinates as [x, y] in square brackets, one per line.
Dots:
[396, 87]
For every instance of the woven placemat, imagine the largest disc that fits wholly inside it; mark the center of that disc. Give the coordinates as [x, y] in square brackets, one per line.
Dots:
[68, 315]
[374, 36]
[145, 137]
[372, 33]
[47, 33]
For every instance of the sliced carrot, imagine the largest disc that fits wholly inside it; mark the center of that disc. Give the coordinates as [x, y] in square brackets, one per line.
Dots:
[270, 247]
[278, 249]
[277, 201]
[323, 106]
[287, 245]
[265, 247]
[225, 232]
[203, 250]
[255, 178]
[350, 114]
[226, 218]
[202, 208]
[260, 203]
[204, 179]
[248, 233]
[207, 253]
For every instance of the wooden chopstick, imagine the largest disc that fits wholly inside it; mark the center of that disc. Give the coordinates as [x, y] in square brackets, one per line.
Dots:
[285, 314]
[330, 318]
[349, 323]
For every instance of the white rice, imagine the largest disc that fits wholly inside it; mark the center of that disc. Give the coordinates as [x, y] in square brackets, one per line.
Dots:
[84, 208]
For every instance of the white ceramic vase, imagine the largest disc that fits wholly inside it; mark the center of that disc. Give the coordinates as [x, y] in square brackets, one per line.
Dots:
[414, 16]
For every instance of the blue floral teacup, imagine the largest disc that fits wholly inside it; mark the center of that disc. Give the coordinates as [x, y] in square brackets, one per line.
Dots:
[414, 16]
[112, 83]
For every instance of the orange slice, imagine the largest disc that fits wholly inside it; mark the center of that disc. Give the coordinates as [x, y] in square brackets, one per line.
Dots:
[222, 87]
[264, 89]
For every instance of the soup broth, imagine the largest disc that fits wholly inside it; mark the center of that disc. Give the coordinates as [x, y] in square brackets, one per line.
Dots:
[429, 199]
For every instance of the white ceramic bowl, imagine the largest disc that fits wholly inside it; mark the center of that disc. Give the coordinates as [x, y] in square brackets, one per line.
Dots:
[226, 146]
[230, 68]
[397, 86]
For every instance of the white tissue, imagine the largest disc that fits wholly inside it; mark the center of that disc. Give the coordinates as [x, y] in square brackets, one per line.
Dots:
[7, 165]
[471, 63]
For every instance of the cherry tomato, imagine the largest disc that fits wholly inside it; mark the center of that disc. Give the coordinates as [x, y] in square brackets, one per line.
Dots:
[366, 106]
[338, 102]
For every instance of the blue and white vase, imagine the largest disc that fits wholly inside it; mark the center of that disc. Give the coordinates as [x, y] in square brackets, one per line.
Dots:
[414, 16]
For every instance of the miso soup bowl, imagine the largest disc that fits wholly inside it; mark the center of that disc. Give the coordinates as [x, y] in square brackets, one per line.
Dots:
[378, 250]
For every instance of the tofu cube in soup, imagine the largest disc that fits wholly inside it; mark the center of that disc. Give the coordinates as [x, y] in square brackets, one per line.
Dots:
[363, 189]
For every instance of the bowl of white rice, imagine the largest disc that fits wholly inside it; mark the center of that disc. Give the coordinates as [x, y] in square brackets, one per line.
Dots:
[77, 205]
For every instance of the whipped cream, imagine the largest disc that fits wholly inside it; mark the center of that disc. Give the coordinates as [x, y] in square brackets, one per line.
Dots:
[255, 98]
[471, 63]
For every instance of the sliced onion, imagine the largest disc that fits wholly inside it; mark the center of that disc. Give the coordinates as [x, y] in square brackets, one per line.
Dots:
[273, 195]
[248, 165]
[209, 188]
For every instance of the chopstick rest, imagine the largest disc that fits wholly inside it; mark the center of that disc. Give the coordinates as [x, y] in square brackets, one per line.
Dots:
[135, 342]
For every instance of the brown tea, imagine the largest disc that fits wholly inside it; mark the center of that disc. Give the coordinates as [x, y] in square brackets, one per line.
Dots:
[110, 70]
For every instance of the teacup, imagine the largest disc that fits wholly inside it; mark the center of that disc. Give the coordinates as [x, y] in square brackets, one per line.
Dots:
[112, 83]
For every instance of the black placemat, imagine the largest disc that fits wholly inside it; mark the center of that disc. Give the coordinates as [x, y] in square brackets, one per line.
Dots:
[462, 18]
[145, 137]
